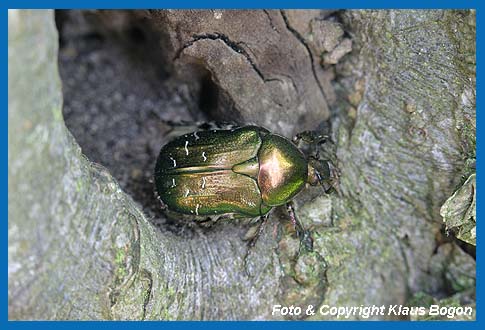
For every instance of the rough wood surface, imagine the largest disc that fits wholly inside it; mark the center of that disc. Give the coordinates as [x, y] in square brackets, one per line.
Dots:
[82, 245]
[259, 76]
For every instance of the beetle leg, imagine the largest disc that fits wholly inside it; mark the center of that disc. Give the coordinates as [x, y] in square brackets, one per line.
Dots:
[305, 236]
[296, 224]
[252, 242]
[310, 137]
[163, 206]
[313, 139]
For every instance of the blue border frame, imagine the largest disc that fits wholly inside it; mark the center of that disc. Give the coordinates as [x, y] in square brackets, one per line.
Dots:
[6, 4]
[221, 4]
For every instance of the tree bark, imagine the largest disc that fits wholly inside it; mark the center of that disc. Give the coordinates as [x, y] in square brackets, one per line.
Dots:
[403, 124]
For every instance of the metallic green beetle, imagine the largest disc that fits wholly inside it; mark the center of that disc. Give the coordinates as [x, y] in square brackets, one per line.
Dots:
[244, 172]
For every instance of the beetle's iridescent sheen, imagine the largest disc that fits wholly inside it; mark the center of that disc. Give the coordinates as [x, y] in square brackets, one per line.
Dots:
[244, 171]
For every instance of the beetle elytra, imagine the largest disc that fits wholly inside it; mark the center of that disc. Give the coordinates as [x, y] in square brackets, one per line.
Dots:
[243, 172]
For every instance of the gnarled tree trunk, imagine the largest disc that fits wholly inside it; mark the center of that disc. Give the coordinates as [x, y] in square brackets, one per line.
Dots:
[89, 242]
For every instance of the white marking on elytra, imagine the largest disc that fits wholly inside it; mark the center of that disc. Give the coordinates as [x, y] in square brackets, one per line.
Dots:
[197, 209]
[203, 155]
[186, 149]
[187, 193]
[203, 182]
[174, 162]
[173, 183]
[196, 136]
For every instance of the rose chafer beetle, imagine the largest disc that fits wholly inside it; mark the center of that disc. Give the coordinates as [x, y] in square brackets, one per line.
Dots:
[243, 172]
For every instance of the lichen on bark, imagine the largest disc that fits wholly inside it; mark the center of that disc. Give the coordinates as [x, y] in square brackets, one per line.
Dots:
[82, 245]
